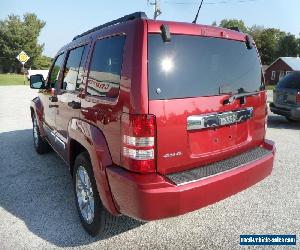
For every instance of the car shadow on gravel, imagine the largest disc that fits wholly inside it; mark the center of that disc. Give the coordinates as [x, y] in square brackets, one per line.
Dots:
[280, 122]
[37, 189]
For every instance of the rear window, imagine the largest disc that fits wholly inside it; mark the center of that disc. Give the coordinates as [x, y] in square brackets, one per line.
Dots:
[290, 81]
[192, 66]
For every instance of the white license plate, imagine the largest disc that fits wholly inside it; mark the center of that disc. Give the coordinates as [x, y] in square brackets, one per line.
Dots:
[280, 98]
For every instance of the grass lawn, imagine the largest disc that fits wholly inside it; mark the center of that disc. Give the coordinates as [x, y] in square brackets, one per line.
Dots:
[12, 79]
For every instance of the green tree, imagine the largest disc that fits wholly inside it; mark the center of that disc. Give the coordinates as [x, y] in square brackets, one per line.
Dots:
[267, 42]
[229, 23]
[271, 43]
[18, 34]
[255, 31]
[287, 46]
[42, 62]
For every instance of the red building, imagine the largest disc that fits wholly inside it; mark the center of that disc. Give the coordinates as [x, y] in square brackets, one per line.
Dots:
[281, 67]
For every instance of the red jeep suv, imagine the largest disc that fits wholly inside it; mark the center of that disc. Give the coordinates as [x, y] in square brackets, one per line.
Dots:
[154, 118]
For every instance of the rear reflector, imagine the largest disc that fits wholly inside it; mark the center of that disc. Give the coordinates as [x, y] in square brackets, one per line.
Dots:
[138, 143]
[138, 154]
[298, 98]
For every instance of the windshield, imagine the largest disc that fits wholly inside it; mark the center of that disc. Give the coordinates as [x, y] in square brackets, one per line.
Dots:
[192, 66]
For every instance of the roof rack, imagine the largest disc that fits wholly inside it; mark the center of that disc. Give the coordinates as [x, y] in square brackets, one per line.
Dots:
[136, 15]
[235, 28]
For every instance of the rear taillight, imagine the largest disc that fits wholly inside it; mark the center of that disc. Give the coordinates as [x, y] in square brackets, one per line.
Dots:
[138, 143]
[298, 98]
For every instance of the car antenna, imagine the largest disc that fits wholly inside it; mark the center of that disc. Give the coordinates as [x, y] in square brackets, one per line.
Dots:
[195, 20]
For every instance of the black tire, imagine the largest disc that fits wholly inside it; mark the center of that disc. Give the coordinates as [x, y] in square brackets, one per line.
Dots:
[103, 221]
[290, 119]
[40, 144]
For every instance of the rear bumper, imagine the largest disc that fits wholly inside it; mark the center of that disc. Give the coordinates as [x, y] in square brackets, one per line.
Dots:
[293, 113]
[152, 196]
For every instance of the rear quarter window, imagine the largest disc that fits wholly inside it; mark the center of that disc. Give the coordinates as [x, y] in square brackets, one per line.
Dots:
[105, 69]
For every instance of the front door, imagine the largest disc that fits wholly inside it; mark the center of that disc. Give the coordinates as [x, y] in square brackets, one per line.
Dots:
[48, 98]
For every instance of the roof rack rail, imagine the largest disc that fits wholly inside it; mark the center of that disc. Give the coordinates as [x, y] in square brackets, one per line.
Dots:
[136, 15]
[235, 28]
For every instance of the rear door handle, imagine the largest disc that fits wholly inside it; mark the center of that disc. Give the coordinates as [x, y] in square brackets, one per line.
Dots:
[53, 99]
[74, 105]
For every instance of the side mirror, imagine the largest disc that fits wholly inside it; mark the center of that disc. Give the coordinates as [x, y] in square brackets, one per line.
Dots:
[37, 82]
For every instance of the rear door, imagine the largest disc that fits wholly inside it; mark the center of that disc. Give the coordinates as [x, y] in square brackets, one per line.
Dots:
[69, 96]
[102, 106]
[188, 78]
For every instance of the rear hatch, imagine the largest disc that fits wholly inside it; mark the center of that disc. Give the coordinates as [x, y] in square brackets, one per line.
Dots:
[189, 80]
[286, 91]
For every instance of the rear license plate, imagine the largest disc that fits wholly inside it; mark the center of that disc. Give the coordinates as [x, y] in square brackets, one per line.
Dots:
[280, 98]
[227, 118]
[218, 119]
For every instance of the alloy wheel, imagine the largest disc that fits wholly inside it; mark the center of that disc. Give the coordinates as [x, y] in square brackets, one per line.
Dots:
[85, 196]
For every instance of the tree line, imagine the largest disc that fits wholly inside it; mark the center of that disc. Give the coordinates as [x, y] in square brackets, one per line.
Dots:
[271, 43]
[17, 34]
[21, 33]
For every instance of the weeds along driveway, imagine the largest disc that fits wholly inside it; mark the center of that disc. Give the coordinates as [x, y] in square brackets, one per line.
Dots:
[37, 208]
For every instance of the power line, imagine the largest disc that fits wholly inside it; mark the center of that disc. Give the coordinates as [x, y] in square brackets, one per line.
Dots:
[210, 3]
[157, 8]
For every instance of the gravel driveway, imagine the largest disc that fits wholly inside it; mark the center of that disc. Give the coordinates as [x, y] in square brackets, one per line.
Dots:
[37, 208]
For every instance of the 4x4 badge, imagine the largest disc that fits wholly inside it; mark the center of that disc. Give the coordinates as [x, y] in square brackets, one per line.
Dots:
[168, 155]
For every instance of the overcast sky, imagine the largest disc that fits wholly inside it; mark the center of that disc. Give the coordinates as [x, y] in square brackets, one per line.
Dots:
[67, 18]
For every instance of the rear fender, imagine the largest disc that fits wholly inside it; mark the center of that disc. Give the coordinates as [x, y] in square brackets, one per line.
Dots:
[93, 140]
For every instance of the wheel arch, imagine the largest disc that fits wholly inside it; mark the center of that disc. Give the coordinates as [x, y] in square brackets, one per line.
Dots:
[75, 148]
[32, 113]
[87, 137]
[36, 108]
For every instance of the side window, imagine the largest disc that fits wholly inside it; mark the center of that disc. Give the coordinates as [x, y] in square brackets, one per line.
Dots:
[80, 77]
[74, 64]
[281, 74]
[105, 70]
[55, 71]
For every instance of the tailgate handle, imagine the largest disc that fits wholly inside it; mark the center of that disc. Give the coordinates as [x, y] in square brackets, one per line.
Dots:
[196, 122]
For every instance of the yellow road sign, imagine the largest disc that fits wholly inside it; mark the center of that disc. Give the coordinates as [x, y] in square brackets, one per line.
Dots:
[23, 57]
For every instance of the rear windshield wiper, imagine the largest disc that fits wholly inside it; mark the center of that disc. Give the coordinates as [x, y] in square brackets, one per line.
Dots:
[240, 95]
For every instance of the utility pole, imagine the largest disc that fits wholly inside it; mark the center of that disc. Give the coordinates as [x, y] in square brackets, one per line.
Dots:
[157, 9]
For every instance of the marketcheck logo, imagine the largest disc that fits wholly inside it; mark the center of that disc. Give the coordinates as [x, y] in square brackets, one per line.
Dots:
[259, 240]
